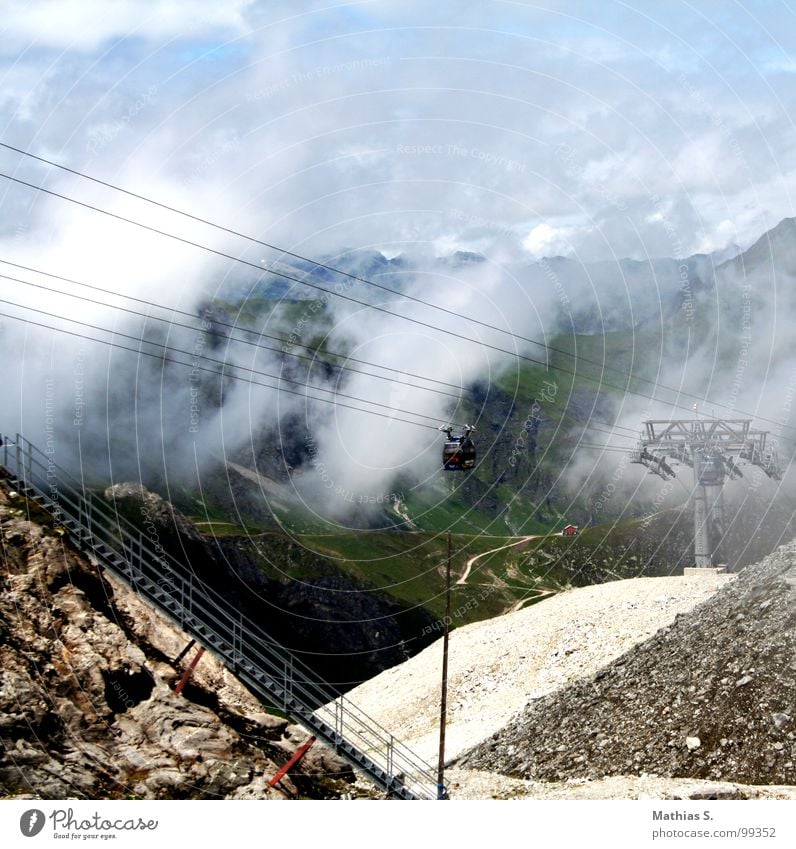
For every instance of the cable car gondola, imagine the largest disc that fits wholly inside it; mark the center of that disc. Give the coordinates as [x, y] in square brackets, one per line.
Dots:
[458, 453]
[711, 470]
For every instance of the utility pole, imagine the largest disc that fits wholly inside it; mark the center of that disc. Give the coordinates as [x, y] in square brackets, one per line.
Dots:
[443, 704]
[711, 447]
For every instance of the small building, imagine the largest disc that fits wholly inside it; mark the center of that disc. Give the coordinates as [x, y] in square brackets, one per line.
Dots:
[570, 531]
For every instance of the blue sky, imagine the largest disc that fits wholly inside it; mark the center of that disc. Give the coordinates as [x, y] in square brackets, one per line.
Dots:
[513, 128]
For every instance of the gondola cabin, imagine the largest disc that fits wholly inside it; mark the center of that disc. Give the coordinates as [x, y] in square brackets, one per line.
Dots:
[458, 452]
[570, 531]
[711, 470]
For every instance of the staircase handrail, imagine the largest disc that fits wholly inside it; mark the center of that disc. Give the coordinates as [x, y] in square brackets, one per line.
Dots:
[128, 543]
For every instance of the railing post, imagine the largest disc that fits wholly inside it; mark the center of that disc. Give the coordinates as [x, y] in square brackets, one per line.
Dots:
[288, 688]
[183, 593]
[338, 716]
[84, 516]
[237, 641]
[27, 465]
[138, 559]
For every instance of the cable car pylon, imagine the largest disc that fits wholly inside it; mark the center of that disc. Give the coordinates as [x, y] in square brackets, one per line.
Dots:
[711, 447]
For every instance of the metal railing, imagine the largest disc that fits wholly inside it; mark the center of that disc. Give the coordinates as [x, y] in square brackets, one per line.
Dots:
[260, 662]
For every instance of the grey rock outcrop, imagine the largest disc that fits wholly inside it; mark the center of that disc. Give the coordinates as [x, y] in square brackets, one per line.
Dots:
[86, 707]
[346, 630]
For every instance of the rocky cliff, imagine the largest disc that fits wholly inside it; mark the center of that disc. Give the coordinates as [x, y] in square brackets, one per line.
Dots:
[345, 630]
[87, 708]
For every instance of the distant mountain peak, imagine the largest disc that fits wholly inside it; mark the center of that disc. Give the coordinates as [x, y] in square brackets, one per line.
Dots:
[726, 253]
[775, 247]
[463, 258]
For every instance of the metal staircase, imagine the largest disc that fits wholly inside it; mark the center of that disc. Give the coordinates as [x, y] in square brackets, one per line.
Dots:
[268, 669]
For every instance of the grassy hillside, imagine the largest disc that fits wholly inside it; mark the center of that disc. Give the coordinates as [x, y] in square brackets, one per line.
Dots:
[530, 420]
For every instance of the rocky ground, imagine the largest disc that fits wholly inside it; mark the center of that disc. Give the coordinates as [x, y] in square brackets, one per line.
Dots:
[711, 696]
[497, 666]
[647, 688]
[470, 784]
[87, 708]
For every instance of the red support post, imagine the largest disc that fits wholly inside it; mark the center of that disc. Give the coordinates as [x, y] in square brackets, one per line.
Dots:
[188, 672]
[291, 763]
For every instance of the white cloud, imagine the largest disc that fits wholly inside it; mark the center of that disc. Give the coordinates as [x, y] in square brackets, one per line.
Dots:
[724, 234]
[544, 240]
[330, 100]
[501, 128]
[88, 24]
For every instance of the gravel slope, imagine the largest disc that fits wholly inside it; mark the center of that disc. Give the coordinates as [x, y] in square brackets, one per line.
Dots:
[496, 667]
[470, 784]
[713, 696]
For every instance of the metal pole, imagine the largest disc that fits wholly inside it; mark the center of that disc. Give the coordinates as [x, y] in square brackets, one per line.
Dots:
[189, 671]
[291, 763]
[185, 651]
[702, 558]
[443, 705]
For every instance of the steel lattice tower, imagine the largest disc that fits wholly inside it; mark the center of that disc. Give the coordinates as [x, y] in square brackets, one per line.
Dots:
[711, 447]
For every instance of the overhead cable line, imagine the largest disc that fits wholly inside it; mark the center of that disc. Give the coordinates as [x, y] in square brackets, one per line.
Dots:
[162, 358]
[516, 354]
[266, 348]
[216, 252]
[172, 323]
[173, 350]
[589, 428]
[148, 316]
[225, 323]
[257, 372]
[349, 275]
[624, 450]
[282, 274]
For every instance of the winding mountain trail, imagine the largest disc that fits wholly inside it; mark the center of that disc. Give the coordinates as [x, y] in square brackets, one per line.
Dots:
[468, 568]
[541, 592]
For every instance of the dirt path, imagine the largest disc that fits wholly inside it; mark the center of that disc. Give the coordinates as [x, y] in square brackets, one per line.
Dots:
[541, 592]
[472, 560]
